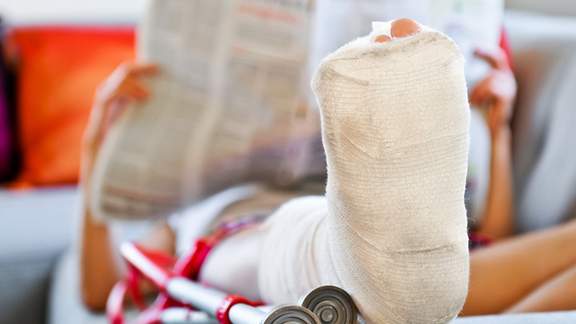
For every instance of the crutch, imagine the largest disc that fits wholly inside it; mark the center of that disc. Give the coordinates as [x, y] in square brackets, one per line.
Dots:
[178, 295]
[179, 290]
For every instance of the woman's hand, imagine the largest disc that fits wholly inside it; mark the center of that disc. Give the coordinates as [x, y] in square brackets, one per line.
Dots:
[124, 85]
[496, 91]
[100, 265]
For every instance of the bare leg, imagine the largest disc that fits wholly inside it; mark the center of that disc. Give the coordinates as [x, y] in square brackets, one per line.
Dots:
[505, 273]
[556, 294]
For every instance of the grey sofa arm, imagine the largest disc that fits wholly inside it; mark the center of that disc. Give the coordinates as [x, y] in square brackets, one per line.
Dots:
[35, 227]
[544, 53]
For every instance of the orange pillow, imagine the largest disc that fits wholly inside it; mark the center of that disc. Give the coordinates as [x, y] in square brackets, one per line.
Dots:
[59, 71]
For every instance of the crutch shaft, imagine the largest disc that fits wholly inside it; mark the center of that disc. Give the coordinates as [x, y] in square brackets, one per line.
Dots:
[245, 314]
[184, 315]
[210, 300]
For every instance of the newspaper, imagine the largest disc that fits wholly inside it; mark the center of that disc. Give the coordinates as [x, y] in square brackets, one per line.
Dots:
[471, 23]
[227, 107]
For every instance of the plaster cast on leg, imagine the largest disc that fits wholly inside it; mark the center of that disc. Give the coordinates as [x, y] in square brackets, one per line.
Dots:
[392, 228]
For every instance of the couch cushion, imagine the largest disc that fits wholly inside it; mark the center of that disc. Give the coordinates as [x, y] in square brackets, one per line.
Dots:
[36, 223]
[65, 305]
[66, 308]
[35, 226]
[59, 70]
[545, 165]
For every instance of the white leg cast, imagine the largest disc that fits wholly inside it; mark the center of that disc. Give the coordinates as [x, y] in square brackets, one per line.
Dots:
[392, 229]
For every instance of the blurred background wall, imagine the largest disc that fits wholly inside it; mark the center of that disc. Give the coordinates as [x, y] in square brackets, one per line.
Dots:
[39, 11]
[44, 11]
[555, 7]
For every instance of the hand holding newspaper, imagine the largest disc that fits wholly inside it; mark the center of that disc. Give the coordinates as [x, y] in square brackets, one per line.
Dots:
[226, 108]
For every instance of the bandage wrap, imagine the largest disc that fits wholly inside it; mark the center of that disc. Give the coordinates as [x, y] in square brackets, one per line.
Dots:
[392, 229]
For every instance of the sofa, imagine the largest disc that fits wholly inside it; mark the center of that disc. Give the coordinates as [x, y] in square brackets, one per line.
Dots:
[36, 228]
[38, 276]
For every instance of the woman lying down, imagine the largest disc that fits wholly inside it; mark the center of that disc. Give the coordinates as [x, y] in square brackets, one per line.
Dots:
[391, 228]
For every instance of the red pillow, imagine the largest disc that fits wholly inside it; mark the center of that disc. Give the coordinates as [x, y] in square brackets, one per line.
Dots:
[59, 71]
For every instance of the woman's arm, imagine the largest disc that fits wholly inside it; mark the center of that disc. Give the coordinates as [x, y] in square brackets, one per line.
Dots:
[100, 266]
[497, 92]
[497, 221]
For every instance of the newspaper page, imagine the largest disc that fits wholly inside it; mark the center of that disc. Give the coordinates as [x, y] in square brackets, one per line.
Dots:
[471, 23]
[227, 106]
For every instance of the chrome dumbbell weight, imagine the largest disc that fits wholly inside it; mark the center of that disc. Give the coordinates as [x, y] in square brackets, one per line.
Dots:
[332, 305]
